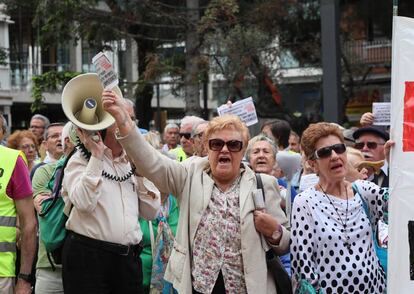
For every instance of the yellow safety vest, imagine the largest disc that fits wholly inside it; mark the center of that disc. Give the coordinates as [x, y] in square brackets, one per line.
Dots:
[8, 159]
[179, 154]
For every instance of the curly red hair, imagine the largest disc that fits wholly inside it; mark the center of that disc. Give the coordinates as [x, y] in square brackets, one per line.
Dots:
[14, 139]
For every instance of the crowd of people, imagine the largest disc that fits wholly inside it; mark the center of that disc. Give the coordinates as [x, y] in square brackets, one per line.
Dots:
[204, 208]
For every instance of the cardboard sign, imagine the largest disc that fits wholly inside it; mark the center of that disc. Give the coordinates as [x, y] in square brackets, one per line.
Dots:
[382, 113]
[105, 71]
[243, 108]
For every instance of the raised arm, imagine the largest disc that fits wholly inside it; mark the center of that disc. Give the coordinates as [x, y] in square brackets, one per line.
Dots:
[165, 173]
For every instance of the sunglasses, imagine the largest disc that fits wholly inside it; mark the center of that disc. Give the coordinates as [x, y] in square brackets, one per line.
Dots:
[185, 135]
[218, 144]
[370, 145]
[326, 152]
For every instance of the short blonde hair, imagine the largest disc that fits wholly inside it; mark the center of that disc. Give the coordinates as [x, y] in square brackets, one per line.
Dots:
[354, 156]
[315, 132]
[154, 139]
[228, 121]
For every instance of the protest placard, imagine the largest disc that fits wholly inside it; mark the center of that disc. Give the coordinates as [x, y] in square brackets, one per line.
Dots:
[401, 207]
[105, 71]
[243, 108]
[382, 113]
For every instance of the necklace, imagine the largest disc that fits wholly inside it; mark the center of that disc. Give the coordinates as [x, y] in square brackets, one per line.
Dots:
[347, 243]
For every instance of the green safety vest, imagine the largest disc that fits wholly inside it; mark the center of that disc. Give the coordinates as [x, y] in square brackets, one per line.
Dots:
[8, 159]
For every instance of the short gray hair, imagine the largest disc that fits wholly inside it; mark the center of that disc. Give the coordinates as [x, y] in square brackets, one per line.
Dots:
[258, 138]
[66, 132]
[191, 120]
[130, 102]
[171, 126]
[42, 118]
[194, 129]
[46, 133]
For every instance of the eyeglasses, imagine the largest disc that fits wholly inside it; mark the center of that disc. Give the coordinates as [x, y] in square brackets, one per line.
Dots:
[28, 146]
[370, 145]
[326, 152]
[232, 145]
[54, 136]
[185, 135]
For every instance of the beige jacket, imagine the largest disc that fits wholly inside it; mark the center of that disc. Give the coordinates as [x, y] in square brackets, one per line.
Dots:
[192, 186]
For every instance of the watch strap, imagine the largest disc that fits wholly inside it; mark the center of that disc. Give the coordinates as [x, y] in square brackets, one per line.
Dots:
[25, 277]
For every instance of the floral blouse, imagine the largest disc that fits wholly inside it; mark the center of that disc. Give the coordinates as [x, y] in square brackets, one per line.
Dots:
[217, 244]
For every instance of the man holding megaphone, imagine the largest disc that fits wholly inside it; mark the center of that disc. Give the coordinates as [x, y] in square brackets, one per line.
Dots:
[104, 198]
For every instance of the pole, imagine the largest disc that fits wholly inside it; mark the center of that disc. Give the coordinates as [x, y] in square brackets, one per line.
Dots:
[395, 7]
[158, 109]
[205, 96]
[331, 53]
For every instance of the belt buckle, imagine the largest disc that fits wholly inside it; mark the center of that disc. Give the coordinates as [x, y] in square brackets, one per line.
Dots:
[127, 252]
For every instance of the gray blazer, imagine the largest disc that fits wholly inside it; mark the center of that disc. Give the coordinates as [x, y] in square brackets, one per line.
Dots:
[193, 187]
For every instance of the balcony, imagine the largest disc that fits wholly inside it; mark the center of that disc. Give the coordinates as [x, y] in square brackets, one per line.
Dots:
[21, 73]
[374, 53]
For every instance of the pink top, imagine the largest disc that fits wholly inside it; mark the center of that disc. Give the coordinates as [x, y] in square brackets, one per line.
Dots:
[19, 186]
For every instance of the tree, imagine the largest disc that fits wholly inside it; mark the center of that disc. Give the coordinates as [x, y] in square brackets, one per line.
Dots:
[149, 23]
[246, 40]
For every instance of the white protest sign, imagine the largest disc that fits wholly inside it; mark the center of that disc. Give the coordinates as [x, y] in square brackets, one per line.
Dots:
[105, 71]
[243, 108]
[400, 277]
[382, 113]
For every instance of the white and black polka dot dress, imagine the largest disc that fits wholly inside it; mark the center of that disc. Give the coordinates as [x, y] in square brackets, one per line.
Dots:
[318, 250]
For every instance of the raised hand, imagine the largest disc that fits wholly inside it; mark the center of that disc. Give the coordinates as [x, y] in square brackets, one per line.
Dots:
[387, 148]
[367, 119]
[92, 141]
[116, 107]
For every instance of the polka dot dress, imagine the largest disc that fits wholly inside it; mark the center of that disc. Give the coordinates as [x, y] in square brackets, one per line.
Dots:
[318, 251]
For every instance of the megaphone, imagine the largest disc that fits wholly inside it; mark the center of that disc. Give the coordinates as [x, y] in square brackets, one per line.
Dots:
[82, 102]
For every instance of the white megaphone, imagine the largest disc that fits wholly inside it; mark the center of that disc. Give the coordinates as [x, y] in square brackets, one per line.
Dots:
[82, 103]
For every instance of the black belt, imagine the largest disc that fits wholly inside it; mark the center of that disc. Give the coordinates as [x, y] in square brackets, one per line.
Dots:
[115, 248]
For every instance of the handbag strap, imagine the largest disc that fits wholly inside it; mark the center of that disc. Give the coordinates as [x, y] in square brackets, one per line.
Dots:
[259, 184]
[364, 203]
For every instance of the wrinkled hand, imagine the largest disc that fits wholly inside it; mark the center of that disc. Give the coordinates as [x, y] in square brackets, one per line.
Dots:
[265, 223]
[95, 147]
[38, 200]
[387, 149]
[367, 119]
[22, 287]
[114, 105]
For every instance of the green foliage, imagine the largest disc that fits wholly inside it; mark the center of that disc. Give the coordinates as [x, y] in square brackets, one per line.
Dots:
[51, 81]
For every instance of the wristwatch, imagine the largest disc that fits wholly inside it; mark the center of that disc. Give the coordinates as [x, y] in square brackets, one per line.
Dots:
[24, 277]
[277, 233]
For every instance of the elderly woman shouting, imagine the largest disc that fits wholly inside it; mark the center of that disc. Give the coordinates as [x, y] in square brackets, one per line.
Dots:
[332, 248]
[219, 246]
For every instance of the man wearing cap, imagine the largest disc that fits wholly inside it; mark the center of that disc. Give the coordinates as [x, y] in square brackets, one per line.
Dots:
[371, 140]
